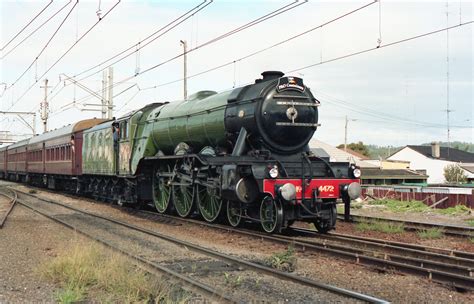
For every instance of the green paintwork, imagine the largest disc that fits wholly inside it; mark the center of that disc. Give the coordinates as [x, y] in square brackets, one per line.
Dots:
[141, 141]
[124, 156]
[98, 150]
[198, 121]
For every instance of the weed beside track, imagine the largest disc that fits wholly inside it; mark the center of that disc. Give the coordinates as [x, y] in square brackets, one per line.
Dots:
[89, 271]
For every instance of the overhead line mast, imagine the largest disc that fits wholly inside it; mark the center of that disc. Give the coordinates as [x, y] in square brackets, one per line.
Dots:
[185, 68]
[45, 106]
[447, 77]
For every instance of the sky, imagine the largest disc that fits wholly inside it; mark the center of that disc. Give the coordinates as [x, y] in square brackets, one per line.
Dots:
[392, 95]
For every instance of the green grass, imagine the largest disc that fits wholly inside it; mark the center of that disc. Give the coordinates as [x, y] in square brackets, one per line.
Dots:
[285, 261]
[354, 206]
[381, 226]
[70, 294]
[432, 233]
[399, 206]
[85, 271]
[418, 206]
[470, 222]
[456, 210]
[232, 280]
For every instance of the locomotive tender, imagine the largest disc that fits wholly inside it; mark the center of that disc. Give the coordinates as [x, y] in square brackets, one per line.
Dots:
[241, 154]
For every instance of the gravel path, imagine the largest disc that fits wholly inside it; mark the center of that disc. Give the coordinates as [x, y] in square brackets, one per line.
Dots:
[26, 241]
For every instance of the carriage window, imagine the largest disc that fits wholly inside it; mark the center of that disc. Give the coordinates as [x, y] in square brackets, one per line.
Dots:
[123, 130]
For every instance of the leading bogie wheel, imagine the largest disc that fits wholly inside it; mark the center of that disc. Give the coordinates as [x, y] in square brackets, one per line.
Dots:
[323, 226]
[234, 213]
[183, 198]
[208, 202]
[161, 192]
[271, 215]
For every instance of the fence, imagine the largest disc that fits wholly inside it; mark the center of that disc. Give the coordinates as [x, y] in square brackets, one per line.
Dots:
[407, 194]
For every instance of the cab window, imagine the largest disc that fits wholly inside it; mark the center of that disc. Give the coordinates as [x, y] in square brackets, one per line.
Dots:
[124, 130]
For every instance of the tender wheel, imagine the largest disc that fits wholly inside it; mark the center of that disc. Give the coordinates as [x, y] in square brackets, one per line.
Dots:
[209, 203]
[234, 213]
[161, 192]
[183, 199]
[323, 226]
[271, 215]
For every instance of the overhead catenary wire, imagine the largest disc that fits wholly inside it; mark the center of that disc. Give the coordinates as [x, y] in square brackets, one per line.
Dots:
[186, 15]
[269, 47]
[218, 38]
[394, 43]
[368, 50]
[230, 33]
[28, 24]
[399, 124]
[46, 45]
[368, 111]
[65, 53]
[227, 34]
[87, 97]
[380, 47]
[190, 12]
[38, 28]
[324, 97]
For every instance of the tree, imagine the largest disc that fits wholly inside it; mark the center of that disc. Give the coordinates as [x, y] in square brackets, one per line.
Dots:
[454, 174]
[357, 147]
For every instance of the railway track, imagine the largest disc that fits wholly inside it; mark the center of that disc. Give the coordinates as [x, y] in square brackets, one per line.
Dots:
[6, 208]
[452, 230]
[259, 269]
[448, 267]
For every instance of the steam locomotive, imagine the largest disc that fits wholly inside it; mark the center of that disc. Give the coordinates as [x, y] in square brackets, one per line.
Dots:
[241, 155]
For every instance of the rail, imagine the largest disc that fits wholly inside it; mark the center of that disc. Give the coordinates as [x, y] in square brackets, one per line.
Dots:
[13, 199]
[460, 231]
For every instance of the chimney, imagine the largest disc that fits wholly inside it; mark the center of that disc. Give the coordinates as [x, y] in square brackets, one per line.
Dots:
[435, 149]
[270, 75]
